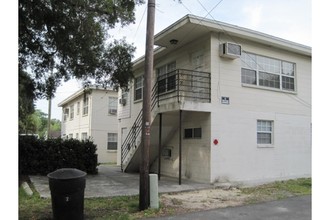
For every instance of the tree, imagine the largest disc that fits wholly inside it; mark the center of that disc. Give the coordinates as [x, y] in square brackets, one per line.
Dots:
[25, 100]
[68, 39]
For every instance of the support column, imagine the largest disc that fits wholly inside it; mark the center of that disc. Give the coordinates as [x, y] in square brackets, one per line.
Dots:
[160, 143]
[180, 147]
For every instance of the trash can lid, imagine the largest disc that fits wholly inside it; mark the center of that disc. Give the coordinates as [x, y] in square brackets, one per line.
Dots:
[66, 173]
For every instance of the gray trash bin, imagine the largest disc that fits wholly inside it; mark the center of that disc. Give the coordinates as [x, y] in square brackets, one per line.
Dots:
[67, 187]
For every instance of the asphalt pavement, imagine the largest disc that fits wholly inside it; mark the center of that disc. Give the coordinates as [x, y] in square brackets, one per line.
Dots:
[294, 208]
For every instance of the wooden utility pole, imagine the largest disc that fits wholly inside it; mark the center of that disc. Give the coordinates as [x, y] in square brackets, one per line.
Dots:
[144, 196]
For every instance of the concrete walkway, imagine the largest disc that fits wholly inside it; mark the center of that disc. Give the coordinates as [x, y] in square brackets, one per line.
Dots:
[110, 181]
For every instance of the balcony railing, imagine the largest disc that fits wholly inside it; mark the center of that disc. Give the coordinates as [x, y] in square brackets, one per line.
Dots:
[184, 84]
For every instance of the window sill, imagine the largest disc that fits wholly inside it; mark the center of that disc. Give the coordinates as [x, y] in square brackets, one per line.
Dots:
[111, 151]
[265, 146]
[138, 101]
[268, 88]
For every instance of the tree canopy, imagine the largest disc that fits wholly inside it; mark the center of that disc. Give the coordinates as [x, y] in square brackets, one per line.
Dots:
[68, 39]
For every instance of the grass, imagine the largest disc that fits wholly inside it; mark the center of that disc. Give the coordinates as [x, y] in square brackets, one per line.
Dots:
[126, 207]
[279, 190]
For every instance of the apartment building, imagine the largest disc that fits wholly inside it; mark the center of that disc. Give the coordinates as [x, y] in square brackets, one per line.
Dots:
[92, 113]
[229, 104]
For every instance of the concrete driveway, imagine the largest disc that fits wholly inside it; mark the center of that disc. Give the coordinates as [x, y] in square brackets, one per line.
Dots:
[110, 181]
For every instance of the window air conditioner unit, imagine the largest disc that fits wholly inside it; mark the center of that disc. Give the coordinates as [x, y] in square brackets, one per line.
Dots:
[230, 50]
[122, 101]
[112, 111]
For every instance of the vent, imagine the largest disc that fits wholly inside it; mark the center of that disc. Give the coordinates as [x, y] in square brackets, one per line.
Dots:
[230, 50]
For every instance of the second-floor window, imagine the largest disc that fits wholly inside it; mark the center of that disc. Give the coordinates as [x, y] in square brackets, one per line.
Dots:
[85, 105]
[78, 108]
[113, 103]
[71, 112]
[138, 85]
[166, 77]
[267, 72]
[66, 114]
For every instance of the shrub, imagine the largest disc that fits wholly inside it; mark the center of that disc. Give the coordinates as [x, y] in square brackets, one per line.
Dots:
[38, 156]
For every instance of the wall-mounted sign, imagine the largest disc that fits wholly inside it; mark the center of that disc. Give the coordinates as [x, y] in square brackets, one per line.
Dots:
[224, 100]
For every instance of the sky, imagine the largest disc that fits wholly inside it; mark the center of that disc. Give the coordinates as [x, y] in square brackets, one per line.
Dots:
[287, 19]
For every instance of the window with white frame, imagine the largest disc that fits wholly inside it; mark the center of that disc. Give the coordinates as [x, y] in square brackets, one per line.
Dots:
[267, 72]
[138, 85]
[264, 132]
[85, 105]
[78, 108]
[112, 141]
[166, 77]
[71, 112]
[70, 136]
[113, 103]
[65, 114]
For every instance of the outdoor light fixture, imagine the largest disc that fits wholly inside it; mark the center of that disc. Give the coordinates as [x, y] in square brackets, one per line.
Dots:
[174, 41]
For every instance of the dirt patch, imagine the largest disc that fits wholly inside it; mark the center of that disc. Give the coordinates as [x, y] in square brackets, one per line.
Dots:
[204, 199]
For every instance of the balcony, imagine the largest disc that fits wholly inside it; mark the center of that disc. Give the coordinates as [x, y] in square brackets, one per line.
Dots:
[182, 85]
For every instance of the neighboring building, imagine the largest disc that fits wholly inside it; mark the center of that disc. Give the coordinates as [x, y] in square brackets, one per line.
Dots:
[244, 99]
[92, 113]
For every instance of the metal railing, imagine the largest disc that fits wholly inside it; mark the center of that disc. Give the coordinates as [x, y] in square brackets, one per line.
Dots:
[177, 85]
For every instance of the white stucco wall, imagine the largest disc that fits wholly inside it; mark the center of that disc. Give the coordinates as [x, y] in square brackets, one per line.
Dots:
[237, 157]
[97, 123]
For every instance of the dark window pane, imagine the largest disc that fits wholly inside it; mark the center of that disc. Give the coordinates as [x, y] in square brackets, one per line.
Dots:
[197, 132]
[112, 145]
[188, 133]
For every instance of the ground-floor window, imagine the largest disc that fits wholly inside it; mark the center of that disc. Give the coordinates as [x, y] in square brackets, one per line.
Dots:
[264, 132]
[190, 133]
[84, 136]
[112, 141]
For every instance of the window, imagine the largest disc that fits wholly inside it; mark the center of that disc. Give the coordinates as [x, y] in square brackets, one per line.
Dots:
[78, 108]
[84, 136]
[113, 102]
[190, 133]
[267, 72]
[85, 106]
[112, 141]
[77, 135]
[70, 136]
[71, 112]
[166, 77]
[138, 88]
[66, 113]
[264, 132]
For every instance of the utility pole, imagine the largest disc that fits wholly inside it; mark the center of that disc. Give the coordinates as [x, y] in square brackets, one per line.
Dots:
[144, 196]
[49, 116]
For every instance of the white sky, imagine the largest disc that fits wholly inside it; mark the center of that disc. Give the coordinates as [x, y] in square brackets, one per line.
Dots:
[288, 19]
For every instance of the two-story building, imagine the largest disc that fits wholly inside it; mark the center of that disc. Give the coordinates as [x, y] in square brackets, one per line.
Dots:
[229, 104]
[92, 113]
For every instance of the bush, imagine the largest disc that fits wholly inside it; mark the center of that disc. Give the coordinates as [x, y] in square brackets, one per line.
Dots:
[38, 156]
